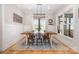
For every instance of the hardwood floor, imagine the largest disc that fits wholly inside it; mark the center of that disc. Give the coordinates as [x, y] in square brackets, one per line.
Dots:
[40, 52]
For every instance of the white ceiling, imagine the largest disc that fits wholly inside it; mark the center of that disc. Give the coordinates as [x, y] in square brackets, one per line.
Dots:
[49, 8]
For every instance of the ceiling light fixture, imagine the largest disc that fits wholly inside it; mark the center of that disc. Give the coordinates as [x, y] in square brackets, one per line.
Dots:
[39, 12]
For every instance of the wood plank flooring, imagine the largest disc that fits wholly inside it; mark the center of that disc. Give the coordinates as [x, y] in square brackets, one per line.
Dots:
[40, 52]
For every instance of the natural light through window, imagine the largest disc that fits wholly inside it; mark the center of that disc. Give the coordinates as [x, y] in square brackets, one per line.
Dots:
[42, 25]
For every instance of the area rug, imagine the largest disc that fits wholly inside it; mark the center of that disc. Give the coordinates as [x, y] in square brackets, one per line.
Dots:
[56, 45]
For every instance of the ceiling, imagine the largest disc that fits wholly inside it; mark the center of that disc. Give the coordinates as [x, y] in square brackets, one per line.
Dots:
[48, 8]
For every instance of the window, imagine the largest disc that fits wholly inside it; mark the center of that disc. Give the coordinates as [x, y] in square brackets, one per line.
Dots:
[68, 25]
[42, 25]
[60, 24]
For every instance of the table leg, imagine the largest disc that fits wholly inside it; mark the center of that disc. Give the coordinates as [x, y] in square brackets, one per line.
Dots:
[51, 41]
[26, 41]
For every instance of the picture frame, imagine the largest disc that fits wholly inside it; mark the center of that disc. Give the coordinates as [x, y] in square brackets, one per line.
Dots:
[17, 18]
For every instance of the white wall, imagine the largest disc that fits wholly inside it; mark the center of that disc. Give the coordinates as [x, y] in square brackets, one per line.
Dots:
[0, 27]
[71, 42]
[76, 26]
[11, 30]
[28, 22]
[51, 28]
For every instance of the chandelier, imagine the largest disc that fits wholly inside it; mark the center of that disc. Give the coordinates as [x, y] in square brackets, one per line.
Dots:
[39, 12]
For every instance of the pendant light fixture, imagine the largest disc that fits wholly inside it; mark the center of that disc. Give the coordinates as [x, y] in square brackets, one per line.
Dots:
[39, 12]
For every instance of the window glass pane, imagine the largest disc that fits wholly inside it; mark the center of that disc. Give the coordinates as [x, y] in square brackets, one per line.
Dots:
[60, 24]
[42, 25]
[68, 25]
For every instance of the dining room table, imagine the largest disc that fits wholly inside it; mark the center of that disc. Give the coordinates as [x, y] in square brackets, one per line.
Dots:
[27, 35]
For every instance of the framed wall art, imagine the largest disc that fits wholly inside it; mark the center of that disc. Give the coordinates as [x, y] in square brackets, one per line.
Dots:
[50, 22]
[17, 18]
